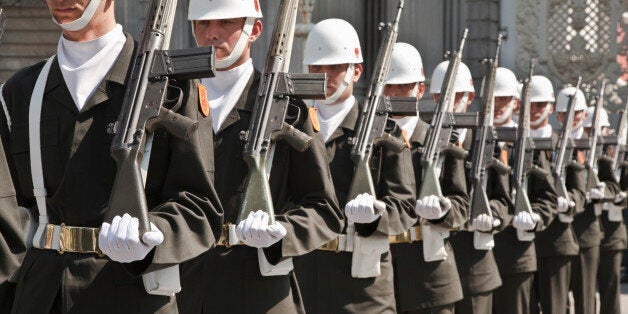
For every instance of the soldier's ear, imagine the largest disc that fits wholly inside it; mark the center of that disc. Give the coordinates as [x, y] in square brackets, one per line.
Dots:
[357, 72]
[421, 90]
[258, 27]
[471, 97]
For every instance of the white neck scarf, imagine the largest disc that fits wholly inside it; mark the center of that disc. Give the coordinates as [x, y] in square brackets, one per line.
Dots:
[407, 124]
[85, 64]
[330, 116]
[224, 91]
[543, 132]
[577, 132]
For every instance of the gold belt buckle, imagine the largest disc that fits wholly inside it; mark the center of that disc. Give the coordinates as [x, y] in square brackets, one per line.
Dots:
[79, 240]
[400, 238]
[332, 245]
[224, 236]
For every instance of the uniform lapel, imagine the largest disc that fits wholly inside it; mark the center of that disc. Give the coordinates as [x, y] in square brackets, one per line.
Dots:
[349, 123]
[246, 102]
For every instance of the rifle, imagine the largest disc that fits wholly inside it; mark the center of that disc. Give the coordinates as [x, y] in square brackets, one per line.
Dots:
[523, 160]
[144, 109]
[564, 148]
[483, 148]
[374, 115]
[438, 135]
[3, 22]
[622, 137]
[268, 124]
[595, 149]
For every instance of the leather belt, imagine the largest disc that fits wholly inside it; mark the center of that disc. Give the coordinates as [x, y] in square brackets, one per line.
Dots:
[64, 238]
[228, 236]
[414, 234]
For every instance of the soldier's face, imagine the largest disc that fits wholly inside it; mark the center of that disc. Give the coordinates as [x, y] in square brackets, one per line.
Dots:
[223, 35]
[459, 104]
[537, 109]
[501, 105]
[66, 11]
[404, 90]
[579, 117]
[335, 77]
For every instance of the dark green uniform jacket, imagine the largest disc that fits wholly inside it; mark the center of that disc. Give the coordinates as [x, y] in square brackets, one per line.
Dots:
[79, 173]
[318, 271]
[420, 284]
[477, 268]
[586, 224]
[559, 238]
[12, 245]
[514, 256]
[228, 280]
[615, 237]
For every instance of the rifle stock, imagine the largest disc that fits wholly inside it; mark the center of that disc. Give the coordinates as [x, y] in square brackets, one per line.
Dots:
[595, 149]
[143, 109]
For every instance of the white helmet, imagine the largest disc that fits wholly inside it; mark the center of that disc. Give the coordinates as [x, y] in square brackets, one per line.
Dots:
[464, 81]
[541, 89]
[223, 9]
[406, 65]
[332, 41]
[563, 99]
[603, 118]
[505, 83]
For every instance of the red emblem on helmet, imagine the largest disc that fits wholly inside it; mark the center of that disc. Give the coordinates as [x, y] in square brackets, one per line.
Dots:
[256, 5]
[357, 52]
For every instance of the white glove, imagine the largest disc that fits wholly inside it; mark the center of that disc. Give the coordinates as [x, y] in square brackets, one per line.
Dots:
[120, 240]
[596, 193]
[525, 220]
[564, 205]
[364, 209]
[485, 223]
[430, 207]
[255, 231]
[619, 197]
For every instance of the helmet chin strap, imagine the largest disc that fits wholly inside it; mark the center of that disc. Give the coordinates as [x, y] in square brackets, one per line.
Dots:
[415, 90]
[239, 47]
[506, 115]
[82, 21]
[542, 118]
[237, 51]
[341, 89]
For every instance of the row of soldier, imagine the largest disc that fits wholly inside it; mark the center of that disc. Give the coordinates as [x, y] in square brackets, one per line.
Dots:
[324, 251]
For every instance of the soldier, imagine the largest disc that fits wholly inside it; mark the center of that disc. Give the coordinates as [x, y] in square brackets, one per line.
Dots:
[615, 239]
[477, 268]
[423, 286]
[585, 223]
[80, 91]
[557, 245]
[229, 278]
[363, 282]
[516, 259]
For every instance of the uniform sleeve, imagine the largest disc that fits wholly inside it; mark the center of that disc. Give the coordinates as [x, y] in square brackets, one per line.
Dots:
[607, 175]
[180, 190]
[576, 186]
[454, 186]
[498, 190]
[12, 217]
[312, 217]
[541, 192]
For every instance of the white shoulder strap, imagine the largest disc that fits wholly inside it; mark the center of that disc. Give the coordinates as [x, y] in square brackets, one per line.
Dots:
[4, 107]
[34, 141]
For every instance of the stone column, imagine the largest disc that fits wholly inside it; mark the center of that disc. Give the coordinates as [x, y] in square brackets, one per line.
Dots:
[303, 27]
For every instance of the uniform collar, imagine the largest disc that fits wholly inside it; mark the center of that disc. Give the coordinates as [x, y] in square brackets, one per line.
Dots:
[245, 103]
[349, 123]
[55, 85]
